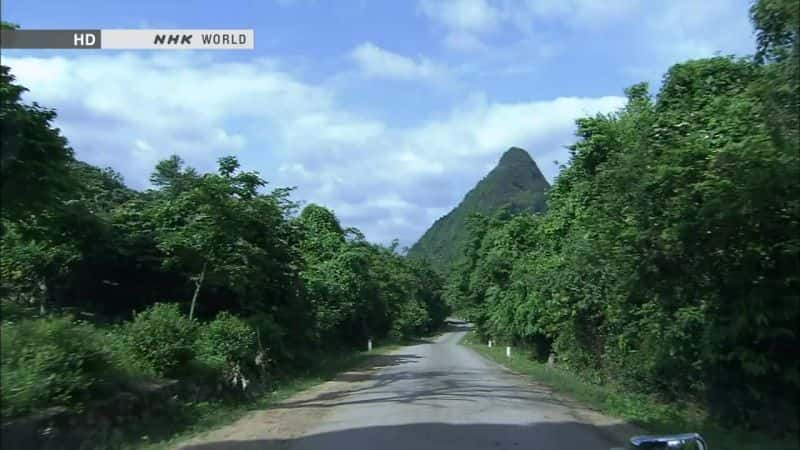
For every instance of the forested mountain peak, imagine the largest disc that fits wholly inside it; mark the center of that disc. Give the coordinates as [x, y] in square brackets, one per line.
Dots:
[516, 156]
[516, 183]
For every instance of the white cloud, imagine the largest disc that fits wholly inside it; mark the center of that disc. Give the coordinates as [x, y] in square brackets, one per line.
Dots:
[657, 33]
[376, 62]
[463, 20]
[129, 111]
[464, 41]
[467, 20]
[179, 104]
[689, 29]
[679, 30]
[463, 15]
[579, 14]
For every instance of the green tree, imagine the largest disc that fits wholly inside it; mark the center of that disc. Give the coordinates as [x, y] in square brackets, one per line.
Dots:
[667, 260]
[34, 157]
[215, 226]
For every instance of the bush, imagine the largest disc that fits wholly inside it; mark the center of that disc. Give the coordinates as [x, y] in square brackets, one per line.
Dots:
[228, 345]
[11, 310]
[411, 320]
[123, 360]
[49, 362]
[162, 338]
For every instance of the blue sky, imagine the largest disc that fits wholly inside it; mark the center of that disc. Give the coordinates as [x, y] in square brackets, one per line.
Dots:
[385, 111]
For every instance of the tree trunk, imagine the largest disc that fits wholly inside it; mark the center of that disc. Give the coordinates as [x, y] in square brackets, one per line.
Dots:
[42, 297]
[198, 283]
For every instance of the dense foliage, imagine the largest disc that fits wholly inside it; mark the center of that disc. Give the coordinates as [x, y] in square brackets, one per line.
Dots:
[667, 261]
[228, 344]
[280, 285]
[162, 338]
[49, 362]
[515, 184]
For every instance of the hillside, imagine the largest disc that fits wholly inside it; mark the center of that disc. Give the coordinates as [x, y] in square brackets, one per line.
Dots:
[515, 182]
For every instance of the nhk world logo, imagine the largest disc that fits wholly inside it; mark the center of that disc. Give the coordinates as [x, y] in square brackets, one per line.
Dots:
[178, 39]
[129, 39]
[206, 39]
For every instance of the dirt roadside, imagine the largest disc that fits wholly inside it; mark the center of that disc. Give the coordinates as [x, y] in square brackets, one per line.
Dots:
[294, 416]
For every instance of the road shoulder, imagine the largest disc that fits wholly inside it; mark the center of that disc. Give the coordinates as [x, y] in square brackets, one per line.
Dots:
[296, 415]
[613, 428]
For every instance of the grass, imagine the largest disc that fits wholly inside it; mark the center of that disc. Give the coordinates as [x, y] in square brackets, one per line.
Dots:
[191, 419]
[641, 410]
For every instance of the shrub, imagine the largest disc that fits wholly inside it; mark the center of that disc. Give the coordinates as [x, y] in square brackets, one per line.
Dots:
[16, 310]
[162, 338]
[119, 348]
[48, 362]
[275, 344]
[410, 320]
[228, 345]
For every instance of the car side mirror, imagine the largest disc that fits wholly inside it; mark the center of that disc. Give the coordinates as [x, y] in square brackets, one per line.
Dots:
[688, 441]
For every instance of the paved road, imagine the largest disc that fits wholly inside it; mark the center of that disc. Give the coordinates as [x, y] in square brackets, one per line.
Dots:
[438, 395]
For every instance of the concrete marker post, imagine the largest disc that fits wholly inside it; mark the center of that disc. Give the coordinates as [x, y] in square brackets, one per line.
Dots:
[508, 352]
[369, 345]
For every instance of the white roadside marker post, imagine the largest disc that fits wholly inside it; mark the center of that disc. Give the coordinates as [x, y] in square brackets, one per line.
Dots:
[508, 352]
[490, 343]
[369, 345]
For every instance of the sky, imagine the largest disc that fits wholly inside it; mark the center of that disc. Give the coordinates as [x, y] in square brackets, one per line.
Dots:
[385, 111]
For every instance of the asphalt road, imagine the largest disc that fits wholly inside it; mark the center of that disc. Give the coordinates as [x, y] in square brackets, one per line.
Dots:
[439, 395]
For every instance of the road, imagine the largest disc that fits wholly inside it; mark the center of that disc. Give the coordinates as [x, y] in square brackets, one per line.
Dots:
[434, 395]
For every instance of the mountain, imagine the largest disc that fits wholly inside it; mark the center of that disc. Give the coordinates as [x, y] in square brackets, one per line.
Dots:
[515, 182]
